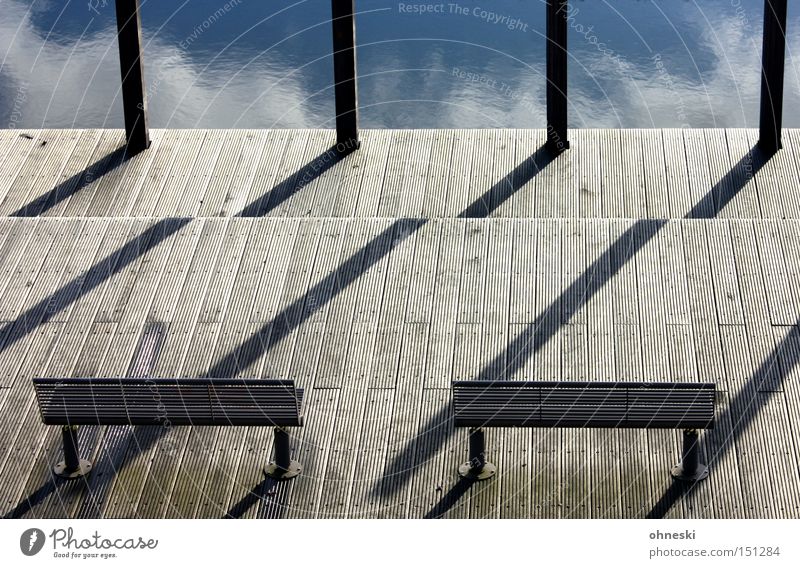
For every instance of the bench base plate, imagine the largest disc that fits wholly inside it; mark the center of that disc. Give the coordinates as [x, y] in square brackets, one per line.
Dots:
[280, 474]
[700, 473]
[466, 471]
[84, 467]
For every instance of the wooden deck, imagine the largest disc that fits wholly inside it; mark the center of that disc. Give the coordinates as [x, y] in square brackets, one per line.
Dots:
[375, 280]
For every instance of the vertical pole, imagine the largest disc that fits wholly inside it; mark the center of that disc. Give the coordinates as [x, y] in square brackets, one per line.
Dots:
[130, 59]
[690, 452]
[283, 458]
[72, 461]
[772, 66]
[282, 468]
[344, 74]
[477, 468]
[557, 75]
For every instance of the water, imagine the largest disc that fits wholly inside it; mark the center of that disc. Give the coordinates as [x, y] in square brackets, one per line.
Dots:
[265, 63]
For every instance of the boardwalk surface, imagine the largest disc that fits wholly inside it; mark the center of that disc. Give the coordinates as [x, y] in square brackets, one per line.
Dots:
[374, 281]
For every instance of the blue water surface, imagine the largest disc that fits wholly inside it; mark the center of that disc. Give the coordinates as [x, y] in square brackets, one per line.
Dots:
[259, 63]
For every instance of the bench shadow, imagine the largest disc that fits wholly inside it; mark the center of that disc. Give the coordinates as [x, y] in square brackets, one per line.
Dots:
[449, 499]
[545, 326]
[271, 495]
[671, 496]
[35, 498]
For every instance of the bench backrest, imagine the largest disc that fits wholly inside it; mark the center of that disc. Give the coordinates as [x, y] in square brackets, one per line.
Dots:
[584, 404]
[178, 402]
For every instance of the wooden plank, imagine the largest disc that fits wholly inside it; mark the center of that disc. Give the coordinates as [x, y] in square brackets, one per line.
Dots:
[697, 161]
[376, 427]
[472, 299]
[432, 486]
[437, 180]
[225, 269]
[40, 174]
[461, 164]
[313, 451]
[24, 147]
[587, 164]
[679, 191]
[105, 159]
[374, 175]
[655, 181]
[180, 186]
[783, 310]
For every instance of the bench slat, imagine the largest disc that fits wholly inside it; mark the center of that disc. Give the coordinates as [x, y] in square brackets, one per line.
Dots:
[583, 404]
[169, 402]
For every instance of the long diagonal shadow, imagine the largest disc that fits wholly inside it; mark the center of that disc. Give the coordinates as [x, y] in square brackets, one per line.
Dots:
[293, 183]
[739, 413]
[355, 266]
[293, 315]
[361, 261]
[122, 444]
[73, 184]
[549, 321]
[84, 283]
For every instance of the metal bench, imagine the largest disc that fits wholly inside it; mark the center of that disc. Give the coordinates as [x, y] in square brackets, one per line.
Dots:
[170, 402]
[482, 404]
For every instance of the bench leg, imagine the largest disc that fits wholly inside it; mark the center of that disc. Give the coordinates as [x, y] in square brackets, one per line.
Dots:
[72, 466]
[284, 467]
[690, 468]
[477, 468]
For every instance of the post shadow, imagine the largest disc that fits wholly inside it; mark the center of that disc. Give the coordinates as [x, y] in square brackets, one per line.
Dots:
[290, 317]
[362, 260]
[296, 181]
[74, 184]
[87, 281]
[516, 179]
[27, 504]
[359, 263]
[545, 326]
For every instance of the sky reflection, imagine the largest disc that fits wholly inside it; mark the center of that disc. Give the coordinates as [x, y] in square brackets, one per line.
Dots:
[259, 65]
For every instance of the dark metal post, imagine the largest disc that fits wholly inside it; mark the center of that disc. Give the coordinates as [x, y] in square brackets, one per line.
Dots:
[772, 66]
[557, 75]
[690, 468]
[477, 468]
[69, 435]
[344, 74]
[134, 102]
[283, 467]
[283, 457]
[72, 466]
